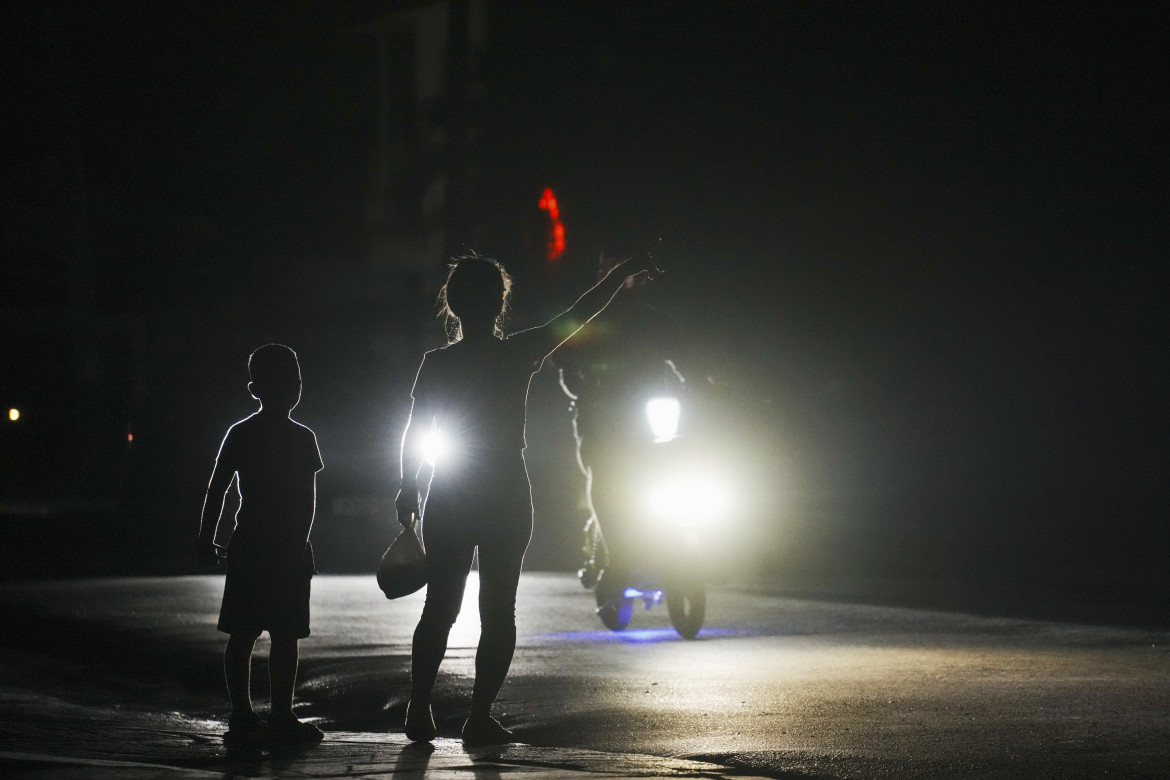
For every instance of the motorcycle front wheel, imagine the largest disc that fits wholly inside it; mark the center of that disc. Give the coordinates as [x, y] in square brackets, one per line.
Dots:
[687, 605]
[615, 612]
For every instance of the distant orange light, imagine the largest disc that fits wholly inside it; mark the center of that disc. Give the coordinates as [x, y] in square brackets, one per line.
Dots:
[130, 438]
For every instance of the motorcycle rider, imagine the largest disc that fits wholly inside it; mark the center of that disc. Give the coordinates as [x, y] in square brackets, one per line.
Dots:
[621, 359]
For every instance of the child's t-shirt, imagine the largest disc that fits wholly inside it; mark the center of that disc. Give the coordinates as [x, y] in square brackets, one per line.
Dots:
[275, 459]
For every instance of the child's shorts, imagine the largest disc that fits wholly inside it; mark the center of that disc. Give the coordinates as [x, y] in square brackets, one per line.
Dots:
[259, 596]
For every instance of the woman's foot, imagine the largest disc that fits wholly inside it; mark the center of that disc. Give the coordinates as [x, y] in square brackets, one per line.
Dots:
[287, 730]
[480, 731]
[420, 723]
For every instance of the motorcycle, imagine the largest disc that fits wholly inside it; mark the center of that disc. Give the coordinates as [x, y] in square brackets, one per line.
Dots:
[680, 502]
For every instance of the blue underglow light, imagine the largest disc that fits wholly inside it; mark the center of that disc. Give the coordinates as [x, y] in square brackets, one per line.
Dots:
[651, 597]
[637, 636]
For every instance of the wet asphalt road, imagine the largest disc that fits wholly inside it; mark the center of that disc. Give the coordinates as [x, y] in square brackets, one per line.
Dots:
[777, 686]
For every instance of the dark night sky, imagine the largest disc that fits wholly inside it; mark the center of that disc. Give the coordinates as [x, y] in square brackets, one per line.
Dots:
[930, 235]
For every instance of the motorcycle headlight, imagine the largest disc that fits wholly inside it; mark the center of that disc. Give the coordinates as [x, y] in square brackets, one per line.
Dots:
[663, 414]
[435, 446]
[689, 499]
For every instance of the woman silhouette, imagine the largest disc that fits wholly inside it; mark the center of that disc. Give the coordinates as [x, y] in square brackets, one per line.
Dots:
[471, 394]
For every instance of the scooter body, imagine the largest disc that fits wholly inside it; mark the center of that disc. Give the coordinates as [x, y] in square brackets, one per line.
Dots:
[680, 502]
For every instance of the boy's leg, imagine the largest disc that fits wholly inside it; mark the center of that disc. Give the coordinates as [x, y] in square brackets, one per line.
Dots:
[283, 658]
[237, 667]
[282, 677]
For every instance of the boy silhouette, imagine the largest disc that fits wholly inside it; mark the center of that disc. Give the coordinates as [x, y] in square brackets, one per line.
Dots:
[274, 461]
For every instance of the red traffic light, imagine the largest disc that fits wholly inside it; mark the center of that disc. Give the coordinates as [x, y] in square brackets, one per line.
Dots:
[555, 245]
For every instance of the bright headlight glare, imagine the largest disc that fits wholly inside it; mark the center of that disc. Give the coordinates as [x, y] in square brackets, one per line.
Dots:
[663, 414]
[435, 447]
[688, 500]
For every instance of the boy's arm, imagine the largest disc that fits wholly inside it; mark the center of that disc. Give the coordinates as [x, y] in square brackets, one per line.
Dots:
[546, 338]
[221, 480]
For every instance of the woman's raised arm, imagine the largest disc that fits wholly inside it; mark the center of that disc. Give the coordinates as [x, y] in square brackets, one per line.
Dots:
[544, 339]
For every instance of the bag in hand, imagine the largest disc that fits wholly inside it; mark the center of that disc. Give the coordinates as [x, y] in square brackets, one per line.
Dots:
[403, 568]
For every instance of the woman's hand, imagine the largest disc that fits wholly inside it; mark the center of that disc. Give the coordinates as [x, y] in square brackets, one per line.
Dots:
[641, 267]
[406, 505]
[209, 554]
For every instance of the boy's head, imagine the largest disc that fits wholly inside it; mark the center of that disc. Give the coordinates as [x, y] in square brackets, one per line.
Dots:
[276, 376]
